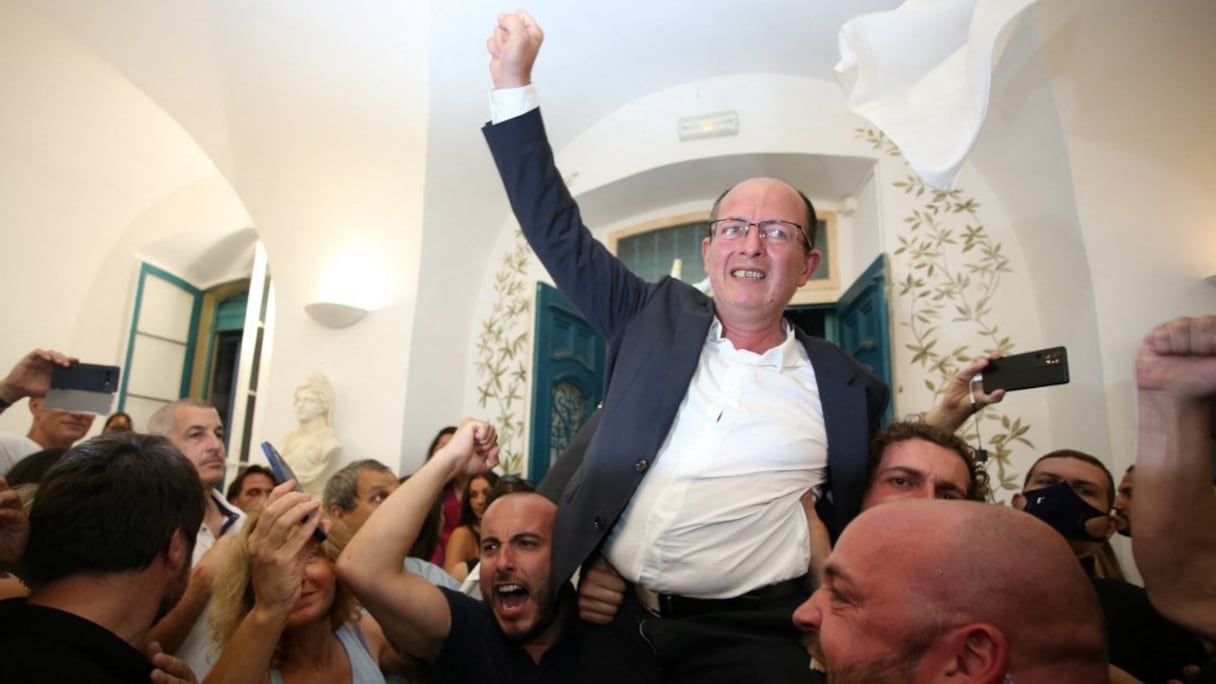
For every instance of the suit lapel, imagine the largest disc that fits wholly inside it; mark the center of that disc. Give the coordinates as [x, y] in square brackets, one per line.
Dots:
[844, 409]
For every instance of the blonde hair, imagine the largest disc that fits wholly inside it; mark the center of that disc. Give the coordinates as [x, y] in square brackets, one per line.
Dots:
[232, 596]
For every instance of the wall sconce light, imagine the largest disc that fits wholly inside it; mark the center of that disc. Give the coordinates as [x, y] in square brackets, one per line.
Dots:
[333, 314]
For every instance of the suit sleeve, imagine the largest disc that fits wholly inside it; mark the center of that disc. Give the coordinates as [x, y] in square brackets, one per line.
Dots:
[594, 280]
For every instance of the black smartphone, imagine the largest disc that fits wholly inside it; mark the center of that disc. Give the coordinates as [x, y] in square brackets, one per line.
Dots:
[82, 388]
[282, 473]
[1030, 369]
[90, 377]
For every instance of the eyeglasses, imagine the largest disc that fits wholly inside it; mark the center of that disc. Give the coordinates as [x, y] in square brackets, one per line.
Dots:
[772, 231]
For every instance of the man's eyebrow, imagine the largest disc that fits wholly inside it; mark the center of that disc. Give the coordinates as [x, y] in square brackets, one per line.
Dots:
[833, 572]
[906, 470]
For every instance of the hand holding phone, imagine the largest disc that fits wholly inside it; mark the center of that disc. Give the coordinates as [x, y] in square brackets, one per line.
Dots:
[82, 387]
[1037, 368]
[282, 473]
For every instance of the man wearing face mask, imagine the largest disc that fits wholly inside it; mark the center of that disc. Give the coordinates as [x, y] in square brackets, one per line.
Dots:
[1073, 492]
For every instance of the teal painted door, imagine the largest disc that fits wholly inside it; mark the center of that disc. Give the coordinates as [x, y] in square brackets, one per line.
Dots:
[863, 323]
[568, 384]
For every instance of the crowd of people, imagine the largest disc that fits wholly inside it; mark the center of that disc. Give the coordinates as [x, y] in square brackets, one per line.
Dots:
[734, 511]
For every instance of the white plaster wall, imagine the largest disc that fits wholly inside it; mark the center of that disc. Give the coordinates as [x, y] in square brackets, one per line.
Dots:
[90, 170]
[1133, 82]
[106, 151]
[865, 237]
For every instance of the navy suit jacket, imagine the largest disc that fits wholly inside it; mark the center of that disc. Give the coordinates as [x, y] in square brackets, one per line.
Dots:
[655, 334]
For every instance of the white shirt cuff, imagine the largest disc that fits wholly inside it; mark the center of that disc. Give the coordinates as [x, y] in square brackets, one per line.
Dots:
[508, 103]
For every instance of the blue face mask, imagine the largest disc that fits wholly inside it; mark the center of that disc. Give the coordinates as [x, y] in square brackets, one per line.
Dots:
[1063, 509]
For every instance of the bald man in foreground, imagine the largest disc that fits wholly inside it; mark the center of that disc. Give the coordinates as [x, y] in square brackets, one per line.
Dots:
[993, 595]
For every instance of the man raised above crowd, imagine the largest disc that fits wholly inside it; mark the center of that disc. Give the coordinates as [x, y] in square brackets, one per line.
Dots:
[519, 632]
[718, 414]
[669, 500]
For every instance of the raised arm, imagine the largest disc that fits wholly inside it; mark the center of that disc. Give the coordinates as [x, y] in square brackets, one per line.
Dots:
[277, 557]
[1174, 515]
[31, 377]
[412, 612]
[955, 405]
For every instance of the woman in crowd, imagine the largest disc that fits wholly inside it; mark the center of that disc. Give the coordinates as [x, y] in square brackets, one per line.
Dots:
[449, 503]
[281, 606]
[118, 422]
[464, 546]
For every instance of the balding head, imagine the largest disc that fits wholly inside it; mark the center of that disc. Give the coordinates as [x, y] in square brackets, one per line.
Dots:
[516, 545]
[991, 591]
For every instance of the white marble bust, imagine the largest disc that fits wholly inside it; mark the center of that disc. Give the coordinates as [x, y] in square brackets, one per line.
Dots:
[312, 446]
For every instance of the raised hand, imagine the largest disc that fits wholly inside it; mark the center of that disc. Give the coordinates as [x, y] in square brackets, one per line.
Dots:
[955, 407]
[513, 47]
[1178, 358]
[472, 450]
[169, 669]
[31, 377]
[277, 547]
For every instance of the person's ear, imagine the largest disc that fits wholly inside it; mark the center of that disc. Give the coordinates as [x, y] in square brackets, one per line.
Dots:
[813, 257]
[336, 512]
[973, 653]
[1019, 501]
[180, 553]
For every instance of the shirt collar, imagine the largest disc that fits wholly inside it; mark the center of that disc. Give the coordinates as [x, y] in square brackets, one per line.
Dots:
[231, 514]
[788, 354]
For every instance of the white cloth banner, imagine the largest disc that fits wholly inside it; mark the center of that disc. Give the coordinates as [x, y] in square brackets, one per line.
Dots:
[922, 73]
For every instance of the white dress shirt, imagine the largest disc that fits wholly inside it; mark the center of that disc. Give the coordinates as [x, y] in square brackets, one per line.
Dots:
[718, 513]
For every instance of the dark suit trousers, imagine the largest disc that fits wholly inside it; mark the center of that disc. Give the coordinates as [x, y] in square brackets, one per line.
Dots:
[756, 645]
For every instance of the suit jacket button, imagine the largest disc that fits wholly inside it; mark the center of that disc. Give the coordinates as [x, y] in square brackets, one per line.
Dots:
[598, 523]
[641, 465]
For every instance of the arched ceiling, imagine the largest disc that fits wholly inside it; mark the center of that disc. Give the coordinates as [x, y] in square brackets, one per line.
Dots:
[207, 64]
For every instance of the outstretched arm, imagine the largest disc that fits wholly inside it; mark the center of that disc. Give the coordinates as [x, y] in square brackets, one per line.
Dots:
[955, 405]
[412, 612]
[1174, 514]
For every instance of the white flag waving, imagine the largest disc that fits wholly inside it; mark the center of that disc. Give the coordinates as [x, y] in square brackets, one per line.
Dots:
[922, 72]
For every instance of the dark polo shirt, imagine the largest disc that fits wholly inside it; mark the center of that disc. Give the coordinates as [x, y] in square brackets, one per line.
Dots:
[43, 644]
[476, 651]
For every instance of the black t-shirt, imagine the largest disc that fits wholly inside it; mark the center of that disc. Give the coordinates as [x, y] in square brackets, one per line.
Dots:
[1142, 642]
[41, 644]
[477, 652]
